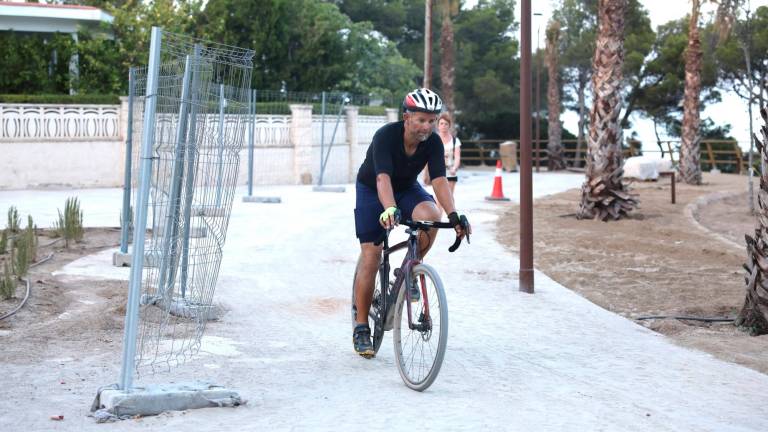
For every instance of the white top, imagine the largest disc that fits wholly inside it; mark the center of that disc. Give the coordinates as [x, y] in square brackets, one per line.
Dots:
[449, 154]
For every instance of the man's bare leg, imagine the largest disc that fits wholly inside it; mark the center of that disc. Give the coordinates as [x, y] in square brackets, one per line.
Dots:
[426, 211]
[367, 266]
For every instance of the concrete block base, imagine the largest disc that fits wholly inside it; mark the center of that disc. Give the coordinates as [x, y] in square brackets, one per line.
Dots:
[212, 211]
[112, 404]
[194, 232]
[329, 189]
[120, 259]
[184, 308]
[260, 199]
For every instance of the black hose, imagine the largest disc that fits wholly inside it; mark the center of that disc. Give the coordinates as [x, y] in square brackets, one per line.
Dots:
[29, 290]
[20, 305]
[685, 318]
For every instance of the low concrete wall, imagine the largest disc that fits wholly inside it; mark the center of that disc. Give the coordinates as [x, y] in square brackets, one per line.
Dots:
[62, 145]
[61, 164]
[84, 146]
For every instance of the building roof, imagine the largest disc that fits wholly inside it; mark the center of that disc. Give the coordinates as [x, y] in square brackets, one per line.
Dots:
[50, 18]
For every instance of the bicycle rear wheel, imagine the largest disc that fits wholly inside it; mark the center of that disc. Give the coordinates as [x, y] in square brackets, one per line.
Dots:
[375, 318]
[420, 351]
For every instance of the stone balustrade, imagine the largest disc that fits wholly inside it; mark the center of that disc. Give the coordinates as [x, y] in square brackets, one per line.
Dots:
[84, 145]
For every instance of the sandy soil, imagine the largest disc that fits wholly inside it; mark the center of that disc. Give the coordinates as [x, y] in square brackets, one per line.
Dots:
[729, 217]
[659, 261]
[65, 316]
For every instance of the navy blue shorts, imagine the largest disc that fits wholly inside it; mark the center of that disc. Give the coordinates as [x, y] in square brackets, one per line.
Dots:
[368, 209]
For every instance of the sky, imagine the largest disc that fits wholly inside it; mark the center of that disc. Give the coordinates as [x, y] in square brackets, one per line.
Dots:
[731, 110]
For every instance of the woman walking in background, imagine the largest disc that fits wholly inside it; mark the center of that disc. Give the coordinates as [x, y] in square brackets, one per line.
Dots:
[452, 148]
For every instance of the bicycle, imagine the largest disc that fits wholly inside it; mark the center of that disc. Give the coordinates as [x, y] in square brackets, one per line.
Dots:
[426, 318]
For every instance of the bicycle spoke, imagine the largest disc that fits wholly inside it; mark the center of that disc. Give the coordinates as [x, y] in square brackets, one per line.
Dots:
[420, 350]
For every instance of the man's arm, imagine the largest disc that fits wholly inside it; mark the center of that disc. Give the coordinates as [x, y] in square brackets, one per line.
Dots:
[444, 195]
[386, 195]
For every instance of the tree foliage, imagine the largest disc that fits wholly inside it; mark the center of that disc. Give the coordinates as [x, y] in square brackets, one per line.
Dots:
[487, 70]
[750, 36]
[659, 94]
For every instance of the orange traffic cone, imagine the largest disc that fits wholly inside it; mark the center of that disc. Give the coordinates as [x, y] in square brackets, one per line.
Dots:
[497, 194]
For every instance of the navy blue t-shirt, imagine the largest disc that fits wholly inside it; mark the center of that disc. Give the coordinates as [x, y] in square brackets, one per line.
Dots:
[386, 154]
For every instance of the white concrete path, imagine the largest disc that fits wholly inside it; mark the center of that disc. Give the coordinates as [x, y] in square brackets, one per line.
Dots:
[515, 362]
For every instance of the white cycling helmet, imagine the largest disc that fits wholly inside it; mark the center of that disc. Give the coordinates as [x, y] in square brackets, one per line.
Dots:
[423, 100]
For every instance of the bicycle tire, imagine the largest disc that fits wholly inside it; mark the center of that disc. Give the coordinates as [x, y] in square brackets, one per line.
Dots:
[403, 336]
[375, 319]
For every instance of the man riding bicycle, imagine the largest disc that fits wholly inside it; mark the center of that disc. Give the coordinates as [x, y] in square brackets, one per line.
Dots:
[387, 190]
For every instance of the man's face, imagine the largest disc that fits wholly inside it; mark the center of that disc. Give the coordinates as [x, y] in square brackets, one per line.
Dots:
[419, 125]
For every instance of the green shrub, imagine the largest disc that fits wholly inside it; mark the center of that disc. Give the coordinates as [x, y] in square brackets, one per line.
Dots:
[7, 284]
[21, 259]
[3, 242]
[373, 110]
[14, 222]
[30, 235]
[283, 108]
[70, 224]
[79, 99]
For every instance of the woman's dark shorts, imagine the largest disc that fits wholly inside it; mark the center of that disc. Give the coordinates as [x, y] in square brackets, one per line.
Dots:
[368, 209]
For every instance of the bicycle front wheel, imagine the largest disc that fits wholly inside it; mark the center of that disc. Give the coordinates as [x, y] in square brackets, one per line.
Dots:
[420, 341]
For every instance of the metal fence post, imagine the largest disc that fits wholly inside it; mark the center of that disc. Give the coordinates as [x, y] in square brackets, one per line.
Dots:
[251, 131]
[324, 157]
[171, 228]
[191, 161]
[222, 104]
[322, 140]
[145, 172]
[126, 222]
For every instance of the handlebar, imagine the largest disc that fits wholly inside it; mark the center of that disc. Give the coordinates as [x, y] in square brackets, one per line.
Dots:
[425, 225]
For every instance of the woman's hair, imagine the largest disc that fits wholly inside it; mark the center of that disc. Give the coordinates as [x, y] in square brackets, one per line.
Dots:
[447, 117]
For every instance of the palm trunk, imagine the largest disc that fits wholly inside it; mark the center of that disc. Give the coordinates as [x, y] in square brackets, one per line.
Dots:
[446, 58]
[754, 313]
[554, 144]
[604, 195]
[427, 44]
[582, 117]
[690, 169]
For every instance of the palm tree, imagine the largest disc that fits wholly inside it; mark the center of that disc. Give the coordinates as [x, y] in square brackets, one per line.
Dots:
[448, 8]
[554, 145]
[690, 170]
[754, 313]
[604, 195]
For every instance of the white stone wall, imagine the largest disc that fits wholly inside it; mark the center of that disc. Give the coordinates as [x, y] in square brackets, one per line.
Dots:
[93, 163]
[61, 145]
[84, 146]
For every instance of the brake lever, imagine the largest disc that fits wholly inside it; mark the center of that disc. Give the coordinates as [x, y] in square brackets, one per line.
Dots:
[455, 245]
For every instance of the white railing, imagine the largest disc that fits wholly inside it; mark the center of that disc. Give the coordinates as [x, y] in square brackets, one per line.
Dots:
[330, 125]
[59, 122]
[367, 126]
[272, 131]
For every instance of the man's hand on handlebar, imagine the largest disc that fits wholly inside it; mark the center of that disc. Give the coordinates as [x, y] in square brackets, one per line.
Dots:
[460, 224]
[390, 217]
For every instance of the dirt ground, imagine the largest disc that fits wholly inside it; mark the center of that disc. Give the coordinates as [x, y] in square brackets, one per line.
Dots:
[64, 316]
[663, 260]
[660, 261]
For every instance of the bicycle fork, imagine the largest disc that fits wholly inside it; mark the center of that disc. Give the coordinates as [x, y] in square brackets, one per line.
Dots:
[424, 323]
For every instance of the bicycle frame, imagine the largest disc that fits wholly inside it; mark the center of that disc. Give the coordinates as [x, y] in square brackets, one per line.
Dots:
[390, 296]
